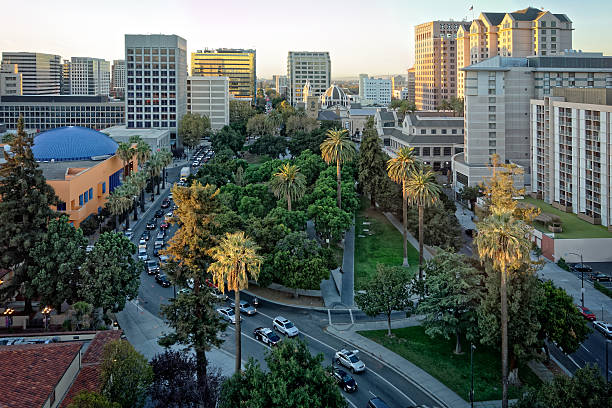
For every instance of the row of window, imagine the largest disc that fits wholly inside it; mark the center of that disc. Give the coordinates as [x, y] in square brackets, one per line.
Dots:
[88, 195]
[149, 51]
[59, 108]
[442, 131]
[137, 109]
[147, 125]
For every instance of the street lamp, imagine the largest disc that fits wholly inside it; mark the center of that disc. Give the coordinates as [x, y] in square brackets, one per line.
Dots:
[8, 312]
[472, 348]
[47, 312]
[581, 276]
[608, 341]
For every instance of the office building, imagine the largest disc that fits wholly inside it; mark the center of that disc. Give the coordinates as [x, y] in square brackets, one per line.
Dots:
[280, 84]
[156, 95]
[236, 64]
[65, 78]
[40, 72]
[303, 66]
[53, 111]
[89, 76]
[11, 81]
[402, 94]
[435, 63]
[398, 82]
[410, 84]
[209, 96]
[118, 79]
[375, 91]
[520, 33]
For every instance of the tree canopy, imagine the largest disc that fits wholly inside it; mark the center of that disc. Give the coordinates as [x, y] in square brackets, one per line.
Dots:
[193, 127]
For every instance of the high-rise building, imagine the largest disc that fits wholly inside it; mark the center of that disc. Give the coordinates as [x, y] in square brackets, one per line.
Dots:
[118, 79]
[209, 96]
[410, 83]
[11, 81]
[40, 72]
[435, 63]
[398, 82]
[236, 64]
[65, 78]
[280, 84]
[89, 76]
[302, 66]
[520, 33]
[156, 95]
[374, 91]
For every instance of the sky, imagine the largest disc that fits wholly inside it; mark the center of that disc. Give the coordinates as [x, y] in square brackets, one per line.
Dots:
[362, 36]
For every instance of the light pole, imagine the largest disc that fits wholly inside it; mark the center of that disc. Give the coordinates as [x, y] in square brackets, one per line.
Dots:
[472, 348]
[8, 312]
[608, 341]
[47, 312]
[581, 277]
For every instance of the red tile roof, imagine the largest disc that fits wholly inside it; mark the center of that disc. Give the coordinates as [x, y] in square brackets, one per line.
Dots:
[29, 373]
[88, 379]
[93, 354]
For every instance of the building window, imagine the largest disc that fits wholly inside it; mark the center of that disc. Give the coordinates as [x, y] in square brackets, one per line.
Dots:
[492, 125]
[454, 131]
[448, 151]
[436, 151]
[433, 131]
[423, 131]
[492, 143]
[81, 199]
[91, 193]
[492, 151]
[61, 206]
[426, 151]
[104, 187]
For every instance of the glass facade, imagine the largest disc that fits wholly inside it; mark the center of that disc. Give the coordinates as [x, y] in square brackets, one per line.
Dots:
[236, 64]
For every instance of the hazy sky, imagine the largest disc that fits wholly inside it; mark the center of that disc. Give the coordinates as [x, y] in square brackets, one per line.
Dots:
[362, 36]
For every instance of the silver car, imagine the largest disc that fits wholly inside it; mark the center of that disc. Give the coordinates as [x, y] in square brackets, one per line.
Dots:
[603, 327]
[246, 308]
[349, 359]
[285, 326]
[227, 314]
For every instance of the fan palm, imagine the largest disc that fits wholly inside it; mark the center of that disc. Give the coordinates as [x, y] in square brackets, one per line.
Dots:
[422, 191]
[398, 169]
[143, 152]
[235, 258]
[288, 183]
[165, 159]
[126, 153]
[502, 241]
[338, 148]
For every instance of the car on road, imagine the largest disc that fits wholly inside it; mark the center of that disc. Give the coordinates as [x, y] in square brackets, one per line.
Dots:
[164, 226]
[159, 244]
[344, 380]
[146, 235]
[586, 313]
[285, 326]
[129, 233]
[183, 290]
[170, 196]
[603, 327]
[220, 296]
[163, 258]
[600, 277]
[142, 254]
[245, 307]
[266, 336]
[349, 359]
[377, 403]
[165, 203]
[160, 235]
[152, 267]
[142, 241]
[159, 213]
[152, 224]
[162, 279]
[227, 314]
[581, 268]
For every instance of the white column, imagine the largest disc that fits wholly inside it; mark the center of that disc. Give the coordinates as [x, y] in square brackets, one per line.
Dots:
[605, 170]
[554, 129]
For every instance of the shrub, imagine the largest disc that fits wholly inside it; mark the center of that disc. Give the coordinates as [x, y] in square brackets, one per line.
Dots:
[90, 224]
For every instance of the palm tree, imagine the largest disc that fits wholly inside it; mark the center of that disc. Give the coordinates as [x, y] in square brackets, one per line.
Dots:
[235, 258]
[423, 191]
[143, 152]
[398, 169]
[154, 167]
[502, 241]
[339, 148]
[288, 183]
[139, 181]
[118, 203]
[166, 159]
[126, 153]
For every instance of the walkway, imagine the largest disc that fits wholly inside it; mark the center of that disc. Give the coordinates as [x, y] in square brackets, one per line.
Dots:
[348, 268]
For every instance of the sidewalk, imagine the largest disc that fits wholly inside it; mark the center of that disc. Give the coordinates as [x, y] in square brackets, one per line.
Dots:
[412, 240]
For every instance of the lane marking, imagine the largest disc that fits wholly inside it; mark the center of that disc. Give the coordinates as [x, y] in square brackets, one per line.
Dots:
[588, 351]
[573, 361]
[329, 316]
[351, 313]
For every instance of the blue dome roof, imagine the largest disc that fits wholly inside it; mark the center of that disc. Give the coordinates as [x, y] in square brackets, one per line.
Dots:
[72, 143]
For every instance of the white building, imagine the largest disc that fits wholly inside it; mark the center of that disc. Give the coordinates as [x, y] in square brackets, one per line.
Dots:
[158, 139]
[156, 95]
[375, 91]
[303, 66]
[280, 84]
[89, 76]
[402, 94]
[11, 81]
[118, 78]
[209, 96]
[40, 72]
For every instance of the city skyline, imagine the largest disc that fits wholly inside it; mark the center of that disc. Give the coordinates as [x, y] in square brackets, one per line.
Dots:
[345, 29]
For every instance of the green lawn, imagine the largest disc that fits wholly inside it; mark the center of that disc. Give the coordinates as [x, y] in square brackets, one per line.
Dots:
[436, 356]
[255, 160]
[573, 227]
[384, 246]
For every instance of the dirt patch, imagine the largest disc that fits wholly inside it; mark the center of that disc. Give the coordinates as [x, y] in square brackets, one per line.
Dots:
[287, 298]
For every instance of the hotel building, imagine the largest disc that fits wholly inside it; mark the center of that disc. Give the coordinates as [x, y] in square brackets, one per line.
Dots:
[118, 79]
[307, 66]
[11, 81]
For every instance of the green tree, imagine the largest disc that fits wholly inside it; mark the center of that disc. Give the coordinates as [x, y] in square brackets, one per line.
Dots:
[441, 227]
[82, 314]
[300, 123]
[301, 141]
[110, 273]
[58, 256]
[296, 379]
[192, 128]
[453, 292]
[311, 165]
[470, 194]
[270, 145]
[371, 162]
[227, 138]
[289, 183]
[125, 374]
[339, 149]
[260, 125]
[388, 290]
[235, 258]
[398, 169]
[91, 399]
[25, 198]
[239, 114]
[126, 154]
[423, 191]
[330, 221]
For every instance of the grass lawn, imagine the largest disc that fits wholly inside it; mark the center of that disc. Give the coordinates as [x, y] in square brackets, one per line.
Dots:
[254, 159]
[384, 246]
[436, 356]
[573, 227]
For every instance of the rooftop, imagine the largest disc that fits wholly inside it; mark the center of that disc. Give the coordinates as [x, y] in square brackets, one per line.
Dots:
[72, 143]
[56, 98]
[58, 170]
[423, 139]
[435, 121]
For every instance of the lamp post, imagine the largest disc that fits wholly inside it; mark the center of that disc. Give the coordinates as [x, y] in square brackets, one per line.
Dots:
[8, 312]
[581, 277]
[608, 341]
[472, 348]
[47, 312]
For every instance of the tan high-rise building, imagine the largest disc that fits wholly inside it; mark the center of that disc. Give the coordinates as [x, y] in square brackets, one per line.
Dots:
[236, 64]
[521, 33]
[11, 81]
[410, 83]
[436, 63]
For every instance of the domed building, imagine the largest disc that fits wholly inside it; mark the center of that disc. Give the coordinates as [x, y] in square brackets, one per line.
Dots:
[72, 143]
[334, 96]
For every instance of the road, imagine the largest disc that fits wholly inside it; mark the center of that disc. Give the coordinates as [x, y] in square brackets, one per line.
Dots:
[379, 379]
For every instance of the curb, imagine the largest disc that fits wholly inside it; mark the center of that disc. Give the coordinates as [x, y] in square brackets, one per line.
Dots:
[318, 309]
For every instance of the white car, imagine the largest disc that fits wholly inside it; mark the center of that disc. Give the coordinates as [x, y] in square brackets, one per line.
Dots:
[285, 326]
[349, 359]
[603, 327]
[227, 314]
[142, 254]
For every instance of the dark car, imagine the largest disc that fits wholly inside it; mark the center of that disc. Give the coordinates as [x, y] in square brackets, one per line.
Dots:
[344, 380]
[266, 336]
[377, 403]
[581, 268]
[162, 280]
[164, 225]
[586, 313]
[165, 203]
[146, 235]
[600, 277]
[152, 267]
[152, 224]
[159, 214]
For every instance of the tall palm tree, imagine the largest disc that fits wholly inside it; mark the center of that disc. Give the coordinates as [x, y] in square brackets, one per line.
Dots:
[422, 191]
[235, 258]
[154, 167]
[398, 169]
[126, 153]
[165, 158]
[143, 152]
[288, 183]
[502, 241]
[138, 181]
[338, 148]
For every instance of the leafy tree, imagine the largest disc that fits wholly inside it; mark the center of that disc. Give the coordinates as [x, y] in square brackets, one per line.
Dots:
[296, 379]
[371, 162]
[262, 173]
[301, 141]
[193, 127]
[338, 148]
[125, 374]
[82, 315]
[560, 321]
[110, 273]
[388, 290]
[25, 198]
[175, 385]
[586, 389]
[235, 258]
[92, 399]
[272, 146]
[58, 257]
[294, 220]
[239, 114]
[300, 123]
[250, 207]
[219, 171]
[330, 221]
[260, 125]
[470, 194]
[453, 291]
[227, 138]
[289, 183]
[441, 227]
[311, 165]
[403, 106]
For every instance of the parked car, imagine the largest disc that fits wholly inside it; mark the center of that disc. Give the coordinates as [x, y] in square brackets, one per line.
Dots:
[344, 380]
[162, 280]
[600, 277]
[165, 203]
[285, 326]
[349, 359]
[146, 235]
[377, 403]
[245, 307]
[159, 213]
[217, 293]
[159, 244]
[162, 259]
[152, 267]
[586, 313]
[160, 235]
[142, 254]
[129, 233]
[266, 336]
[164, 226]
[227, 314]
[581, 268]
[603, 327]
[152, 224]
